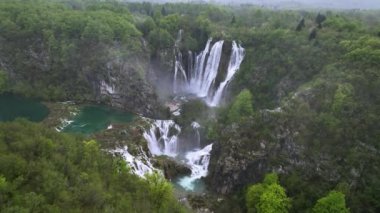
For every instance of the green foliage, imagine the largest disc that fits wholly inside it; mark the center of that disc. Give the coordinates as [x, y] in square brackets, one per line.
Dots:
[170, 23]
[3, 80]
[253, 196]
[45, 171]
[147, 26]
[161, 193]
[63, 46]
[241, 107]
[160, 39]
[334, 202]
[267, 197]
[273, 200]
[343, 97]
[365, 50]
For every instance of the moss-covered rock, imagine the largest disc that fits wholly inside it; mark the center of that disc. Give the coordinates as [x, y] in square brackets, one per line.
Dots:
[172, 168]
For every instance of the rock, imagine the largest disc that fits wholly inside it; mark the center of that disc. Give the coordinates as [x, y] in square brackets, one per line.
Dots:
[172, 169]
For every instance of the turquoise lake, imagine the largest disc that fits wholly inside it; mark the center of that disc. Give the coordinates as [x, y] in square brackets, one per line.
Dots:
[13, 106]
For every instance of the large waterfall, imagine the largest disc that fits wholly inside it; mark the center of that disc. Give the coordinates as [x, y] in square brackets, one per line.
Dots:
[237, 57]
[201, 74]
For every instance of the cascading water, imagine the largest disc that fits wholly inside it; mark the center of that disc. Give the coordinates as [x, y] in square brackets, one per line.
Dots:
[201, 74]
[236, 58]
[162, 141]
[162, 138]
[206, 77]
[198, 161]
[140, 165]
[196, 127]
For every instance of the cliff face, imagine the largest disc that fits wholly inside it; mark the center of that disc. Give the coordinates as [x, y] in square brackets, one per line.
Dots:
[90, 72]
[297, 142]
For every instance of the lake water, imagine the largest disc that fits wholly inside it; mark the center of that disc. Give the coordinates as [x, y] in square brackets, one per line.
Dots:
[96, 118]
[12, 107]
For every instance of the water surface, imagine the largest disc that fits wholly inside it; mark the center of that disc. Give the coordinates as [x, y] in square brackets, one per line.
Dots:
[13, 106]
[92, 119]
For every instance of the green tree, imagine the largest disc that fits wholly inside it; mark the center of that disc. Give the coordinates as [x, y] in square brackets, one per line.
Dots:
[273, 200]
[343, 98]
[242, 106]
[267, 197]
[160, 39]
[147, 26]
[334, 202]
[161, 192]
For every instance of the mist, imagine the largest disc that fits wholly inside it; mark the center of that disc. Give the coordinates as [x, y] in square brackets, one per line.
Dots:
[289, 4]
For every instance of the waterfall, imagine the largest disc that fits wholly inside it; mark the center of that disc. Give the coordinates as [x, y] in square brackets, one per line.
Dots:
[162, 138]
[236, 58]
[211, 70]
[205, 74]
[198, 161]
[196, 127]
[140, 165]
[201, 73]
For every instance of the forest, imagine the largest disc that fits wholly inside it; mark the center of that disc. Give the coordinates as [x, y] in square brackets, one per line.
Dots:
[299, 129]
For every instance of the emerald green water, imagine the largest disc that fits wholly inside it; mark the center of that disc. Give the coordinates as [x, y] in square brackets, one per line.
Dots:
[12, 107]
[95, 118]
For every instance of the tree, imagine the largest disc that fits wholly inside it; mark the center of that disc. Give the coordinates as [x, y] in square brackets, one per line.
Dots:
[334, 202]
[273, 200]
[147, 26]
[343, 98]
[242, 106]
[160, 39]
[161, 191]
[267, 197]
[3, 80]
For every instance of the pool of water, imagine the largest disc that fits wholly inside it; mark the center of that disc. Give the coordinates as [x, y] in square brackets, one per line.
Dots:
[13, 106]
[92, 119]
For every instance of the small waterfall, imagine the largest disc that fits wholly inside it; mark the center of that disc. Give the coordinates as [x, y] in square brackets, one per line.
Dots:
[162, 138]
[236, 58]
[198, 161]
[201, 73]
[196, 127]
[140, 165]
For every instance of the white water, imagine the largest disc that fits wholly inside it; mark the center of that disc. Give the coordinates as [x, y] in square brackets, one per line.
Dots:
[64, 124]
[140, 165]
[196, 127]
[198, 161]
[204, 79]
[160, 142]
[106, 89]
[201, 74]
[236, 58]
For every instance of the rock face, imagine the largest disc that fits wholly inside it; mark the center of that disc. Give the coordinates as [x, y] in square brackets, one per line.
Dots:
[243, 154]
[125, 86]
[172, 169]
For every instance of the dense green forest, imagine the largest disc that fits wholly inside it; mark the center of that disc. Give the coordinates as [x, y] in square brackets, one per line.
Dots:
[45, 171]
[305, 104]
